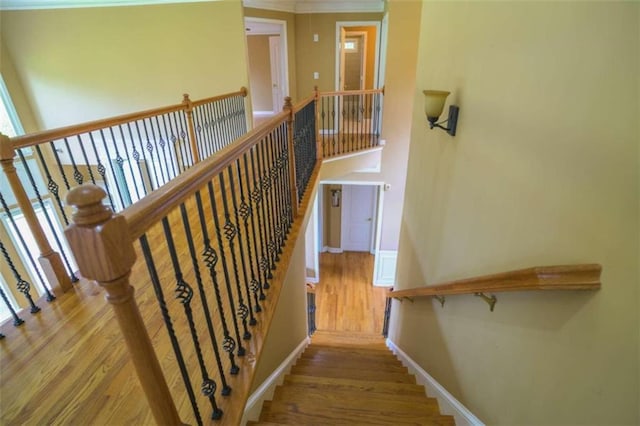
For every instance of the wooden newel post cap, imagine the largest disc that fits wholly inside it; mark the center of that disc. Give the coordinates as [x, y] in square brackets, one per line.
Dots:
[244, 91]
[87, 199]
[287, 103]
[6, 148]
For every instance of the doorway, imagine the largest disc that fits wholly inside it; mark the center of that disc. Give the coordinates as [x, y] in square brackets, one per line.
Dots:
[357, 55]
[268, 66]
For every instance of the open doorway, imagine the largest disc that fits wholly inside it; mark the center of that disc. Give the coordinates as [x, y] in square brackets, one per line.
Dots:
[357, 56]
[268, 66]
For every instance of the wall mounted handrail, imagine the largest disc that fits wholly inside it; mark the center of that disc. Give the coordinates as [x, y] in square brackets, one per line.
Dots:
[560, 277]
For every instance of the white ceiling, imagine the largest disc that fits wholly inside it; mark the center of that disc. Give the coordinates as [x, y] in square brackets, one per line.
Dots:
[296, 6]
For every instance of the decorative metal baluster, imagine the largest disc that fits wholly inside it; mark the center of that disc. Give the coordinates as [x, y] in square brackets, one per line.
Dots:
[54, 149]
[160, 178]
[184, 293]
[231, 231]
[275, 191]
[53, 187]
[387, 315]
[257, 198]
[233, 105]
[210, 258]
[148, 165]
[185, 137]
[102, 170]
[168, 160]
[244, 212]
[201, 135]
[126, 152]
[208, 127]
[23, 286]
[228, 131]
[225, 269]
[378, 117]
[215, 127]
[286, 180]
[181, 149]
[72, 274]
[16, 319]
[264, 186]
[86, 159]
[276, 174]
[137, 156]
[247, 211]
[268, 202]
[50, 297]
[203, 297]
[165, 143]
[119, 162]
[311, 312]
[157, 287]
[77, 176]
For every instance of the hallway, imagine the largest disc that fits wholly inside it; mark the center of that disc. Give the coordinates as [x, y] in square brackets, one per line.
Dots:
[346, 300]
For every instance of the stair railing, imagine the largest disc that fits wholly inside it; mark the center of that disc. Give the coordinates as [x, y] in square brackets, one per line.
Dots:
[129, 156]
[349, 121]
[212, 238]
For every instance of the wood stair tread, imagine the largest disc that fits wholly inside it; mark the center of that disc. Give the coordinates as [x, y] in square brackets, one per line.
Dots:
[354, 385]
[338, 351]
[322, 395]
[323, 371]
[309, 414]
[363, 364]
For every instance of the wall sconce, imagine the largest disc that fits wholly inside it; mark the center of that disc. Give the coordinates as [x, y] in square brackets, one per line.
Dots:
[433, 106]
[335, 197]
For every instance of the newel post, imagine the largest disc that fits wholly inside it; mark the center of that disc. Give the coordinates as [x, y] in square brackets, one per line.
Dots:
[292, 158]
[316, 100]
[102, 247]
[49, 260]
[188, 105]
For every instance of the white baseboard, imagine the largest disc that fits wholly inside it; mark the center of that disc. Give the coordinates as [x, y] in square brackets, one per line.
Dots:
[263, 113]
[384, 268]
[447, 403]
[265, 390]
[331, 249]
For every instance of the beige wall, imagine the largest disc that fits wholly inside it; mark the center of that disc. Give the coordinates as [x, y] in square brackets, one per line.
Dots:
[544, 170]
[291, 42]
[320, 56]
[82, 64]
[260, 72]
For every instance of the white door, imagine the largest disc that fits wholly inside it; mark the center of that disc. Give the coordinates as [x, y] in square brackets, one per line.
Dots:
[358, 212]
[277, 84]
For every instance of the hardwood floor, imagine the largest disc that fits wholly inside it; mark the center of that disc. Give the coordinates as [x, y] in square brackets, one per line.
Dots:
[346, 300]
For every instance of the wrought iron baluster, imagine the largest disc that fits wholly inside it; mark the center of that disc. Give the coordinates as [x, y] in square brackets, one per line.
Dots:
[77, 176]
[16, 319]
[258, 199]
[157, 287]
[281, 192]
[201, 134]
[137, 156]
[148, 165]
[54, 149]
[286, 178]
[268, 201]
[231, 231]
[275, 184]
[23, 286]
[210, 127]
[184, 293]
[185, 137]
[172, 172]
[210, 257]
[52, 186]
[126, 152]
[378, 118]
[119, 161]
[86, 159]
[102, 170]
[225, 269]
[248, 212]
[152, 146]
[50, 297]
[203, 297]
[72, 274]
[244, 212]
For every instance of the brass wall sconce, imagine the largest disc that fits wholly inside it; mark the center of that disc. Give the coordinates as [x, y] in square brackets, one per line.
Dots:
[335, 197]
[434, 104]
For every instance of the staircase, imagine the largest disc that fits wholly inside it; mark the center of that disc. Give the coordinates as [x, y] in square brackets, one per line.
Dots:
[350, 378]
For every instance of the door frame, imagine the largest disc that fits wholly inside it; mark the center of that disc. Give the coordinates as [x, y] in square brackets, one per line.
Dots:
[376, 65]
[284, 49]
[361, 35]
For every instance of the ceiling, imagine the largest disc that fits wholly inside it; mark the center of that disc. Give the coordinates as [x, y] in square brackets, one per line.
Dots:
[295, 6]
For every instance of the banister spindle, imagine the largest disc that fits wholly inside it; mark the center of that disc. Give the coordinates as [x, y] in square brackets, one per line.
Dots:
[292, 164]
[50, 261]
[319, 142]
[103, 250]
[192, 131]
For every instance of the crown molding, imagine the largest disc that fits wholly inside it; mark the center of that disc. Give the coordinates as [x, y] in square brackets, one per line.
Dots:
[318, 6]
[69, 4]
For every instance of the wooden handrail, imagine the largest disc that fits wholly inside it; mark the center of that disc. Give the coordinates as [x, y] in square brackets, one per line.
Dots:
[351, 92]
[157, 204]
[565, 277]
[242, 92]
[36, 138]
